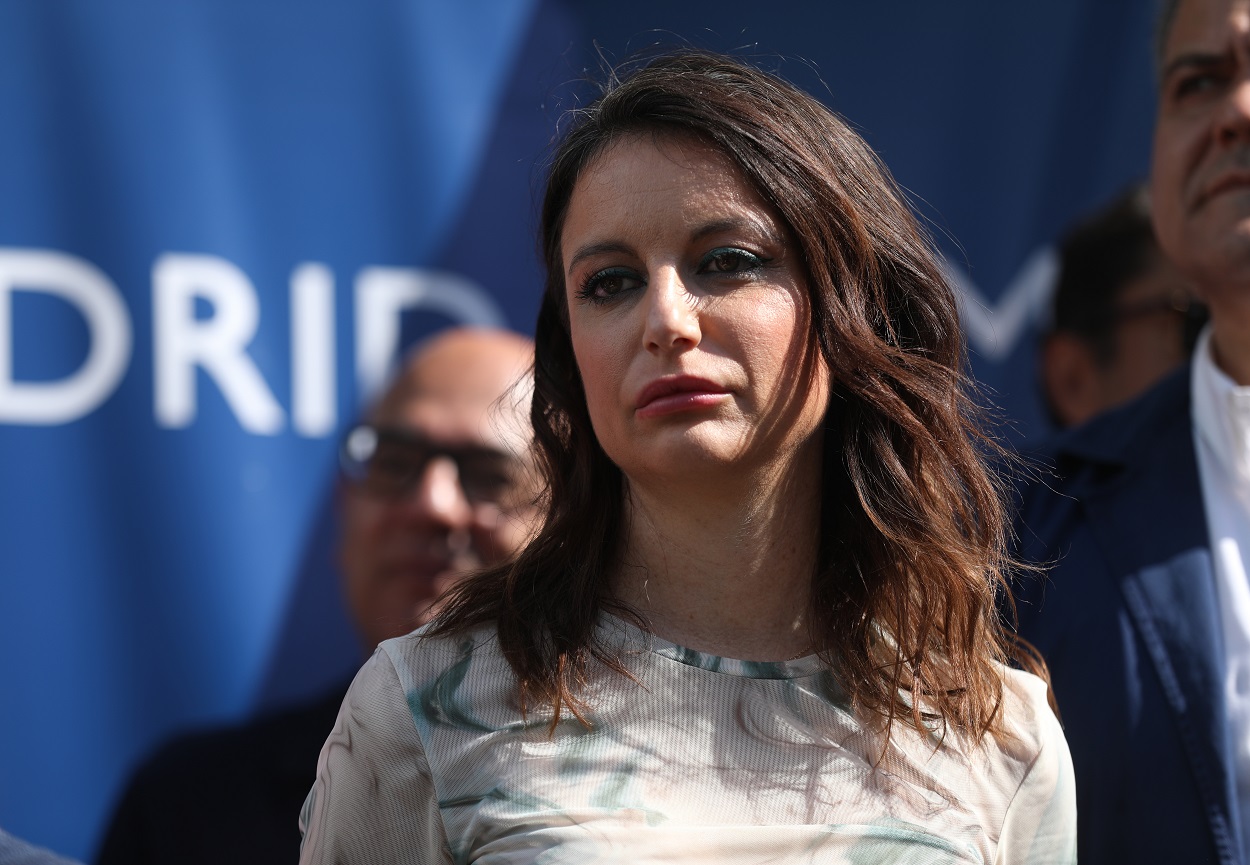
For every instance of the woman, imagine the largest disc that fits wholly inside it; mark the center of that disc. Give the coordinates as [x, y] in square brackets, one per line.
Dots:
[758, 623]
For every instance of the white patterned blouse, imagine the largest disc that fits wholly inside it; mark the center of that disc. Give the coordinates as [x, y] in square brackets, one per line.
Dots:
[701, 760]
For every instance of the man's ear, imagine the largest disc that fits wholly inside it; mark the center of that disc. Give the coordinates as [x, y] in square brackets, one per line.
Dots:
[1071, 378]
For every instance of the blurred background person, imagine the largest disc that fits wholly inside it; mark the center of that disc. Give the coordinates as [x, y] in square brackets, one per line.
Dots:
[1142, 525]
[437, 482]
[1123, 315]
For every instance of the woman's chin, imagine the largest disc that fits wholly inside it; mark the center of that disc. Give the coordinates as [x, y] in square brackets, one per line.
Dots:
[709, 462]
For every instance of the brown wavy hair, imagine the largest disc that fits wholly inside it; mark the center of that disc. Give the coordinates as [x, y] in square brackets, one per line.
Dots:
[912, 551]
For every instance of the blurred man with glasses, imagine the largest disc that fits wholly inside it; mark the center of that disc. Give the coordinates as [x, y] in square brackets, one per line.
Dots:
[436, 482]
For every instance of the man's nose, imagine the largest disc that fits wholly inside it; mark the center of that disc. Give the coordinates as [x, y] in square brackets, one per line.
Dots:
[437, 496]
[1234, 118]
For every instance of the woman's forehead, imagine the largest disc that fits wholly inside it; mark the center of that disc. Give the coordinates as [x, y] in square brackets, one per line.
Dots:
[638, 179]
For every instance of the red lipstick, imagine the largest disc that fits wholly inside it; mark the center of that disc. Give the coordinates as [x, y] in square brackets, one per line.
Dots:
[677, 393]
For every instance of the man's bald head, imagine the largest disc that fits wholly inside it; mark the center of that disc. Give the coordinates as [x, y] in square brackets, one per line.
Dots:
[463, 368]
[443, 482]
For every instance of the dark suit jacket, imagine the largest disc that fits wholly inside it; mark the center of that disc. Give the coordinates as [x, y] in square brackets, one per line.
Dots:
[1128, 620]
[223, 796]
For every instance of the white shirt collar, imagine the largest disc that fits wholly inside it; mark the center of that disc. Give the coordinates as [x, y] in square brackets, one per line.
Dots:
[1221, 411]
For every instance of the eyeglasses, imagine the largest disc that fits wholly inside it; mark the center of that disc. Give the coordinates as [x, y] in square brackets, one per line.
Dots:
[390, 462]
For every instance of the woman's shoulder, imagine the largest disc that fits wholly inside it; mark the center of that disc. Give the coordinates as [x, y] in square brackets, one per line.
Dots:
[1027, 737]
[1028, 749]
[1039, 822]
[461, 679]
[1027, 716]
[424, 653]
[1017, 778]
[1025, 726]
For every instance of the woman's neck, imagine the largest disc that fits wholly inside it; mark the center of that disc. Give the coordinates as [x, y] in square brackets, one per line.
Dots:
[727, 572]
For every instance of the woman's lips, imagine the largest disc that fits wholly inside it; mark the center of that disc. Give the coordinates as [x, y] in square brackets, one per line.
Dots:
[677, 394]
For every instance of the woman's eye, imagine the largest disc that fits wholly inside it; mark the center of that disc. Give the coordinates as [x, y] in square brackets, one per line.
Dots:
[608, 283]
[730, 260]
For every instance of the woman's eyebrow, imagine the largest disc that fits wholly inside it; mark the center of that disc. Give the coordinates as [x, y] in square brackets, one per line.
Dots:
[594, 249]
[716, 226]
[734, 223]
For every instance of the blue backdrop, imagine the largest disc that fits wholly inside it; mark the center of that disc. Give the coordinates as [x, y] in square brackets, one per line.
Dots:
[220, 218]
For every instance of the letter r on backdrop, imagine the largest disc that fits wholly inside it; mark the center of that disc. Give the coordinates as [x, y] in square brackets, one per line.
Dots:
[217, 344]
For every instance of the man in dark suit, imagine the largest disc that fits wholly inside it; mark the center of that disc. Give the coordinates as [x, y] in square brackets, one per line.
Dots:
[1145, 616]
[436, 483]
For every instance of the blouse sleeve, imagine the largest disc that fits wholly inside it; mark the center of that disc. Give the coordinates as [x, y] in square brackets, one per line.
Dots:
[1040, 824]
[374, 799]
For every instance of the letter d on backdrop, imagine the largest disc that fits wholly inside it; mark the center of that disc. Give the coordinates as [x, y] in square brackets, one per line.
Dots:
[108, 326]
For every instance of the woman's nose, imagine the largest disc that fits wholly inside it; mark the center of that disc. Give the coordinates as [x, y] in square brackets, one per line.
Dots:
[672, 316]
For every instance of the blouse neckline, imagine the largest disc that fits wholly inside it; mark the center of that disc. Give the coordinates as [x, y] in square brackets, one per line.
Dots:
[641, 640]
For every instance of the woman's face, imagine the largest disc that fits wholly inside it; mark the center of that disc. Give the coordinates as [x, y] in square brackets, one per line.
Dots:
[689, 316]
